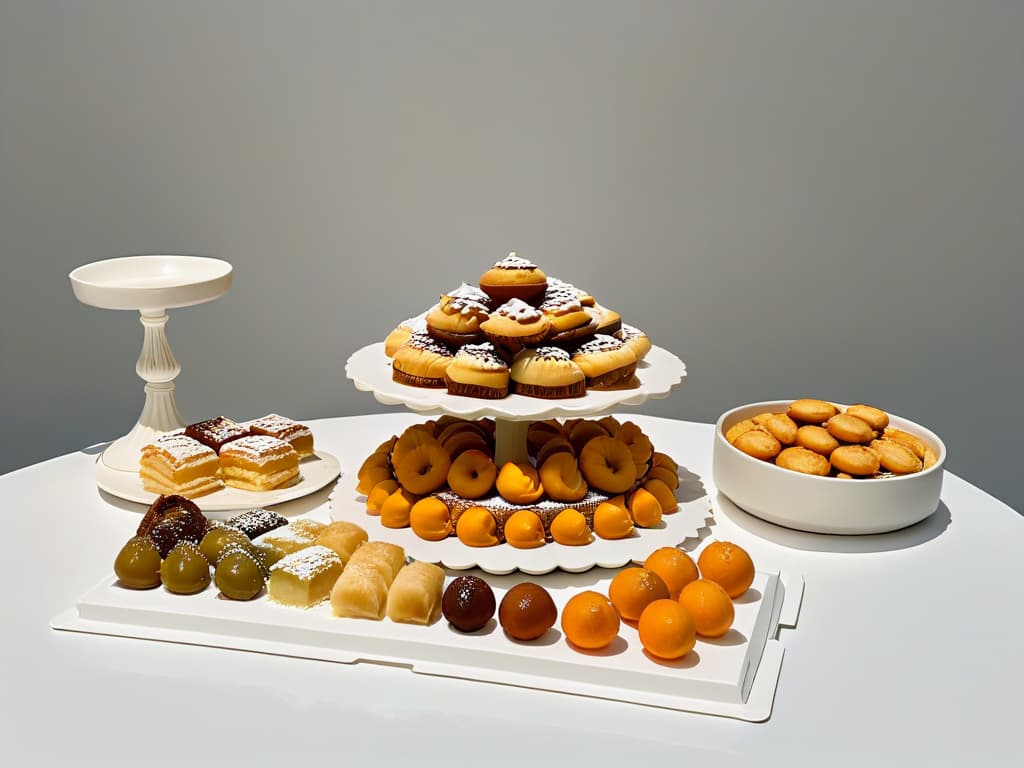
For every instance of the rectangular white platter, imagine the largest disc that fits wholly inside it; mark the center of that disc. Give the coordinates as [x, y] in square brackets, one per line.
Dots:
[733, 676]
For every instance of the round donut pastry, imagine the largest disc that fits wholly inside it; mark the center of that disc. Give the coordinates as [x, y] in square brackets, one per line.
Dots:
[524, 530]
[373, 469]
[478, 371]
[664, 474]
[457, 317]
[476, 528]
[413, 437]
[855, 460]
[561, 306]
[516, 324]
[644, 508]
[849, 429]
[608, 465]
[472, 474]
[913, 442]
[738, 429]
[570, 528]
[430, 519]
[421, 362]
[446, 430]
[547, 372]
[811, 411]
[779, 425]
[584, 431]
[552, 446]
[876, 418]
[514, 278]
[610, 423]
[660, 459]
[804, 460]
[605, 361]
[560, 475]
[758, 443]
[465, 441]
[612, 519]
[817, 439]
[638, 443]
[519, 483]
[378, 495]
[404, 331]
[394, 512]
[540, 432]
[635, 339]
[424, 469]
[665, 495]
[608, 320]
[896, 457]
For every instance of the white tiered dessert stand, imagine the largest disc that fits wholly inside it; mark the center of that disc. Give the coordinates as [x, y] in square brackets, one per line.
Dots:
[658, 374]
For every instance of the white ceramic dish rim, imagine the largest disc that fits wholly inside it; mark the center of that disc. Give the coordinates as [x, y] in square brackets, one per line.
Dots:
[774, 405]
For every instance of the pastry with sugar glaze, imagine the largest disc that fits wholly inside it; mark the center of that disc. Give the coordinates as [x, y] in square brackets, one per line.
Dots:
[478, 371]
[304, 578]
[404, 331]
[362, 590]
[516, 324]
[547, 372]
[415, 595]
[635, 339]
[178, 464]
[605, 361]
[257, 521]
[569, 321]
[215, 433]
[514, 278]
[299, 436]
[421, 362]
[259, 463]
[457, 317]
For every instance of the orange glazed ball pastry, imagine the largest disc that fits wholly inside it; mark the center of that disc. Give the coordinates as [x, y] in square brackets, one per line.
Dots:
[514, 278]
[457, 317]
[516, 324]
[605, 361]
[404, 331]
[430, 519]
[560, 475]
[570, 528]
[298, 435]
[478, 371]
[421, 362]
[472, 474]
[547, 372]
[259, 463]
[476, 528]
[524, 530]
[519, 483]
[612, 520]
[635, 339]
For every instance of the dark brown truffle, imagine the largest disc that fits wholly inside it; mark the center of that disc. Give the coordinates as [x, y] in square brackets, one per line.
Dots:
[468, 603]
[527, 611]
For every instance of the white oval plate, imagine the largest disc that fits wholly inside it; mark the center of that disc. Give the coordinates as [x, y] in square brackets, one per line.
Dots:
[315, 472]
[370, 370]
[692, 515]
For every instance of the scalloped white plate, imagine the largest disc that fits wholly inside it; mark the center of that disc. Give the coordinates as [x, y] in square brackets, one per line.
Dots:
[694, 511]
[370, 370]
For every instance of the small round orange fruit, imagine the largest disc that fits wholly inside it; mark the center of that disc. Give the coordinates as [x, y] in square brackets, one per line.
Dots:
[612, 520]
[634, 589]
[675, 567]
[589, 620]
[667, 630]
[710, 606]
[728, 565]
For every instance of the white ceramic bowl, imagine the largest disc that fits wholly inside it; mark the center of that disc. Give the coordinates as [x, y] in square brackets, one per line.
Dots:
[824, 504]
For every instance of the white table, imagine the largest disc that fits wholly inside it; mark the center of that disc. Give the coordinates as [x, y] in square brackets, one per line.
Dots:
[908, 647]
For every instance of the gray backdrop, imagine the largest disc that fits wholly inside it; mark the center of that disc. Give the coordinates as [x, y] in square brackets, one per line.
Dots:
[819, 198]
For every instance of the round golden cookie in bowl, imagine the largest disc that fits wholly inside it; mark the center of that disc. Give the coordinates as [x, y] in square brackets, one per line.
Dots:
[886, 476]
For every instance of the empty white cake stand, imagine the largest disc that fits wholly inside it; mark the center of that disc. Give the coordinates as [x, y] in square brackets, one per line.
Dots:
[150, 285]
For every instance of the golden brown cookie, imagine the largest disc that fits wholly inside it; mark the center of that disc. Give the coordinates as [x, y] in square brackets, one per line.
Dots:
[876, 418]
[738, 429]
[811, 411]
[854, 459]
[896, 457]
[803, 460]
[759, 444]
[816, 439]
[850, 429]
[780, 425]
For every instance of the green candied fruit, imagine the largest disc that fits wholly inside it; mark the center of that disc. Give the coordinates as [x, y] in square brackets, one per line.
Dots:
[138, 564]
[238, 575]
[217, 539]
[185, 570]
[266, 554]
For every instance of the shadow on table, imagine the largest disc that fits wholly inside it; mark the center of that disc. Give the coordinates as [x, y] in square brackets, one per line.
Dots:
[919, 533]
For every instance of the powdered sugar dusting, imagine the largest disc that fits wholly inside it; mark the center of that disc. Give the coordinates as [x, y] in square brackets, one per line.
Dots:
[183, 450]
[514, 262]
[628, 332]
[428, 343]
[280, 425]
[467, 300]
[561, 300]
[601, 342]
[519, 310]
[552, 353]
[484, 355]
[307, 563]
[259, 449]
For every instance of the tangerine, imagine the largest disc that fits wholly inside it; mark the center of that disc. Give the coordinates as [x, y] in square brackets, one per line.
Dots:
[590, 621]
[667, 630]
[634, 589]
[710, 606]
[675, 567]
[728, 565]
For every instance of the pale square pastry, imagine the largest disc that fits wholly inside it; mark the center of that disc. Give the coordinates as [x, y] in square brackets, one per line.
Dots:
[343, 537]
[259, 463]
[362, 590]
[299, 436]
[415, 594]
[176, 464]
[297, 535]
[304, 578]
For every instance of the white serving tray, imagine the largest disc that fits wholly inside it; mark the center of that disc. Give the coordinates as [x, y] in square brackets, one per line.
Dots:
[370, 370]
[674, 529]
[315, 472]
[734, 676]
